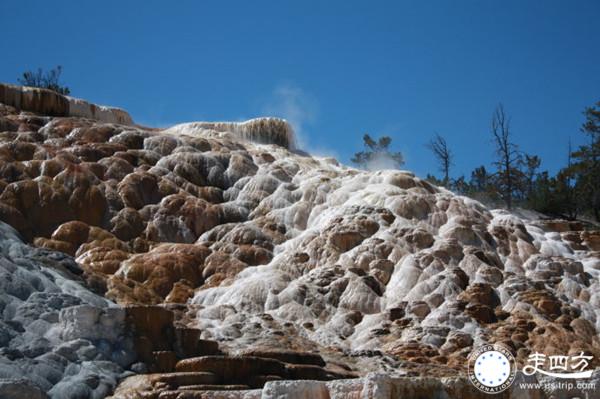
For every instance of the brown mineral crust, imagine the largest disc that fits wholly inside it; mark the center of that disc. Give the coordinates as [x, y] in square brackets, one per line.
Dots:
[41, 205]
[103, 260]
[181, 292]
[221, 264]
[127, 224]
[288, 356]
[591, 239]
[182, 218]
[165, 265]
[55, 245]
[139, 189]
[175, 380]
[525, 335]
[130, 292]
[252, 370]
[232, 368]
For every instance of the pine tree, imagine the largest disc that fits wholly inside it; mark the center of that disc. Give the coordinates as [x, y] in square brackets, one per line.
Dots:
[377, 154]
[586, 166]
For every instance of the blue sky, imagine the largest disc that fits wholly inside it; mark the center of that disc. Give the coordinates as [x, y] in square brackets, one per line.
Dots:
[338, 69]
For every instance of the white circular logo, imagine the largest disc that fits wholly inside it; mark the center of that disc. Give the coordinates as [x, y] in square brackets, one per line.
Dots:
[492, 368]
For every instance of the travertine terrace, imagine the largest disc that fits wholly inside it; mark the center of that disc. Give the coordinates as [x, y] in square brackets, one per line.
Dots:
[233, 262]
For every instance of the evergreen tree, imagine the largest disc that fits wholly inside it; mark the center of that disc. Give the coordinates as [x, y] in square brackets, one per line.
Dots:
[434, 180]
[480, 180]
[377, 154]
[586, 166]
[461, 186]
[531, 166]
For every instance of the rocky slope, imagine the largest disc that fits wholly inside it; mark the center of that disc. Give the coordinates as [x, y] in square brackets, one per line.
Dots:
[263, 264]
[55, 335]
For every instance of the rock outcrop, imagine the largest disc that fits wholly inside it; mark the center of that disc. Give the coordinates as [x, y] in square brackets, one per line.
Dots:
[48, 102]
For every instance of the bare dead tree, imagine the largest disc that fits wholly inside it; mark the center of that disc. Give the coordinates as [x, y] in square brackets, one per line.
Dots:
[507, 153]
[443, 155]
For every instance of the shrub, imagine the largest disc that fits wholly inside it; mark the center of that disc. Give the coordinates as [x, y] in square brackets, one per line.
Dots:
[46, 80]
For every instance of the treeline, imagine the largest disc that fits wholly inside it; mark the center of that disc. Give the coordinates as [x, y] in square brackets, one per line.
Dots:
[515, 178]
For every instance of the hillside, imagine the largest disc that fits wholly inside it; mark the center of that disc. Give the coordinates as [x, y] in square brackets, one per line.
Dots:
[228, 259]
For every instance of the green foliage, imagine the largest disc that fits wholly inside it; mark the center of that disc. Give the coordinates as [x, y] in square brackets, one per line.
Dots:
[481, 180]
[434, 180]
[480, 187]
[377, 154]
[586, 166]
[517, 180]
[531, 164]
[45, 80]
[552, 195]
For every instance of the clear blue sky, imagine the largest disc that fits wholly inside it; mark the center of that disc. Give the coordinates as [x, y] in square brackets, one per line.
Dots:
[338, 69]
